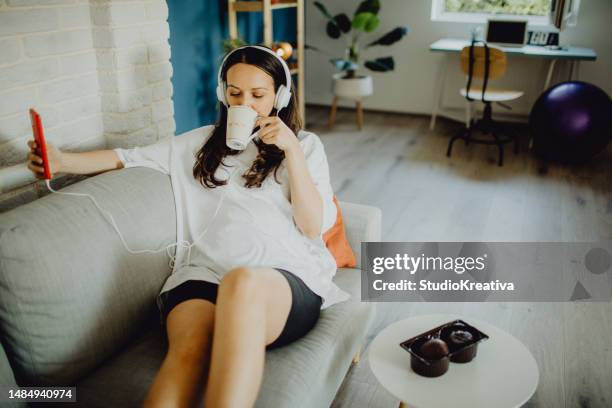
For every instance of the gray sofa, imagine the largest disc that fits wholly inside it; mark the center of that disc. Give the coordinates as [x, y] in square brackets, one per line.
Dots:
[77, 309]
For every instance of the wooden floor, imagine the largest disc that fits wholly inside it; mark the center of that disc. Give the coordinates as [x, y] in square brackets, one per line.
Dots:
[397, 164]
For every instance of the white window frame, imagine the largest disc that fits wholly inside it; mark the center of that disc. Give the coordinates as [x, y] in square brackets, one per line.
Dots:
[438, 14]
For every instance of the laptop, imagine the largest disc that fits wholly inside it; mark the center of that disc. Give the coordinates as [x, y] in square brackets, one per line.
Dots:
[507, 33]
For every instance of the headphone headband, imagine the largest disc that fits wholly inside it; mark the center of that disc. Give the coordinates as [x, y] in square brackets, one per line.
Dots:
[283, 94]
[259, 47]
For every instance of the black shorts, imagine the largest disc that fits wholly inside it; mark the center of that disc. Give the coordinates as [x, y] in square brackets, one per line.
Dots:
[304, 313]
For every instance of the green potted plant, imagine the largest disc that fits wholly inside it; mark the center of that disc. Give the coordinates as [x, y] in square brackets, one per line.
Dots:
[232, 43]
[347, 83]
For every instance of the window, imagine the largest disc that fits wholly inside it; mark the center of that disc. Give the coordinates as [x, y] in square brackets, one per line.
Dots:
[536, 12]
[515, 7]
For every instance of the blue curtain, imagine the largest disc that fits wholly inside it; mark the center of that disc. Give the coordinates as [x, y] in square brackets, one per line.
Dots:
[197, 31]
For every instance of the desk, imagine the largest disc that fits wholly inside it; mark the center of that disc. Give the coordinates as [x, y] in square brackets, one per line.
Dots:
[452, 45]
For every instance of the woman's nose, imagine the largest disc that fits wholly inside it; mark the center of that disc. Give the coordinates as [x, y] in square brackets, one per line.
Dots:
[246, 101]
[250, 102]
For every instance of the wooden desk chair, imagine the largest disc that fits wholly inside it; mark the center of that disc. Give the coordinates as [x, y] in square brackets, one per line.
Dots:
[484, 62]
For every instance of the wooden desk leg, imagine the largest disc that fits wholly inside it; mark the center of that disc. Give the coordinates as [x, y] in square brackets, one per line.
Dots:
[577, 70]
[551, 68]
[439, 92]
[332, 113]
[359, 115]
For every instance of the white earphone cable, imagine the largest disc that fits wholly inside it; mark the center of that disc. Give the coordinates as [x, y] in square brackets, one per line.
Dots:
[183, 243]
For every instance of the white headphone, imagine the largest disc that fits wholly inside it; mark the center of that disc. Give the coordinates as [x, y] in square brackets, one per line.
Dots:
[283, 93]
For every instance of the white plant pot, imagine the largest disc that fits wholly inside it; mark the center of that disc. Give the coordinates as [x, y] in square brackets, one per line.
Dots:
[352, 88]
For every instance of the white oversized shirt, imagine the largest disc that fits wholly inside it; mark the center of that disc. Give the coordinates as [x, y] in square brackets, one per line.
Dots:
[253, 227]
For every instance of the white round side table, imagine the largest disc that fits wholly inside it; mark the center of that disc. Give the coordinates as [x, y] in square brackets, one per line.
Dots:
[503, 373]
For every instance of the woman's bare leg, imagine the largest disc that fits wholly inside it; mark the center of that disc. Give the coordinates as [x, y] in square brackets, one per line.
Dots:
[181, 381]
[251, 312]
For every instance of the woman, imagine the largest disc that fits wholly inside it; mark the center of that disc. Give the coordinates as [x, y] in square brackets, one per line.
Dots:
[257, 273]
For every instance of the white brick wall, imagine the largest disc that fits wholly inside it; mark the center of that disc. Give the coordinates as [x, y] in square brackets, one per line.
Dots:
[98, 72]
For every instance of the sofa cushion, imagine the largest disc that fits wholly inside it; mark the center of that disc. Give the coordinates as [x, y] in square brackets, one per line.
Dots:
[363, 224]
[306, 373]
[337, 243]
[70, 293]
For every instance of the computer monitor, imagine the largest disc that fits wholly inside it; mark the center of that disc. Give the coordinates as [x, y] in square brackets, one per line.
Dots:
[509, 33]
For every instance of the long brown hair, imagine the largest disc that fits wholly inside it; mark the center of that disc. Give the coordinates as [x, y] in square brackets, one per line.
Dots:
[270, 157]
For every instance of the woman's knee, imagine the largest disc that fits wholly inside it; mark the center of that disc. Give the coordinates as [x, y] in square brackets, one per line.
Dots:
[190, 327]
[240, 284]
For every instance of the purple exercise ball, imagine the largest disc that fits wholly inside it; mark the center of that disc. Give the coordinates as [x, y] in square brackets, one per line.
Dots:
[571, 122]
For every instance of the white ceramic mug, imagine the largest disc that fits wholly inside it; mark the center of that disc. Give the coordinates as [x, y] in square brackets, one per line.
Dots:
[240, 123]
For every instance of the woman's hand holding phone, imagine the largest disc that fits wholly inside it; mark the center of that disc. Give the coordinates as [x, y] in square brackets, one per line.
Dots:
[35, 162]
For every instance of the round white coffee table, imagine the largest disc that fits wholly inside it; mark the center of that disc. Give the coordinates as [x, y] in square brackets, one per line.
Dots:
[503, 373]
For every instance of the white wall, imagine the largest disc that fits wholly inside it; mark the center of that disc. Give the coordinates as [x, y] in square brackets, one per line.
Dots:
[98, 72]
[410, 87]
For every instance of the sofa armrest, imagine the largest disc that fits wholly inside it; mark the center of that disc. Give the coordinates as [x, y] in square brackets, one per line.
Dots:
[7, 379]
[362, 223]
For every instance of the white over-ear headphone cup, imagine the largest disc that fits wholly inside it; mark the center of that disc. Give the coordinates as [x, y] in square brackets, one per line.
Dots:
[221, 94]
[283, 97]
[286, 98]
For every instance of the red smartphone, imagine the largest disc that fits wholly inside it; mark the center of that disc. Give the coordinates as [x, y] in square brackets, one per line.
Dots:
[39, 137]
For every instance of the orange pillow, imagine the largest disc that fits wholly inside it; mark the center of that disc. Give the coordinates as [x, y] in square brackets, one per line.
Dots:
[337, 243]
